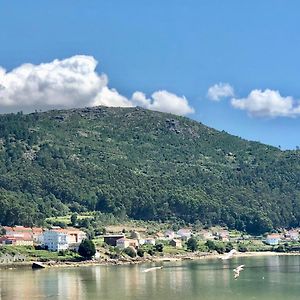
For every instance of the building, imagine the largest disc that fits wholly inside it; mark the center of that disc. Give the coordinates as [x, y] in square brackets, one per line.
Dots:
[159, 235]
[19, 230]
[55, 240]
[176, 243]
[111, 239]
[149, 241]
[125, 243]
[16, 240]
[223, 236]
[273, 239]
[75, 236]
[292, 235]
[28, 233]
[184, 233]
[37, 234]
[206, 235]
[169, 234]
[63, 239]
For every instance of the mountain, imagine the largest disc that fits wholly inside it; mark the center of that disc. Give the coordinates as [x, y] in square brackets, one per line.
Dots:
[146, 164]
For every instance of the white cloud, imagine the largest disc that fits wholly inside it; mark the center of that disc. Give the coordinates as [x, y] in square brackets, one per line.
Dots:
[110, 97]
[219, 91]
[267, 103]
[163, 101]
[74, 82]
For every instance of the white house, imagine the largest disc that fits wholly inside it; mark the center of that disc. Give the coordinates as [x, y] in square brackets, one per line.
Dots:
[169, 234]
[55, 240]
[149, 241]
[293, 235]
[206, 235]
[184, 233]
[61, 239]
[273, 239]
[124, 243]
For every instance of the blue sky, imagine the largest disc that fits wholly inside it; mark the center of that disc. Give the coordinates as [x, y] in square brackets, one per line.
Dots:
[179, 47]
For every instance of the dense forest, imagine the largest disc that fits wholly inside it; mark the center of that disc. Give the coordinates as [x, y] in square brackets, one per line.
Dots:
[143, 164]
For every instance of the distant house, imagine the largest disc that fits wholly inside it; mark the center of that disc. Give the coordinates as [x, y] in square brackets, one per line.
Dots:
[223, 236]
[206, 235]
[160, 235]
[292, 235]
[16, 240]
[125, 243]
[28, 233]
[111, 239]
[149, 241]
[17, 230]
[176, 243]
[184, 233]
[169, 234]
[146, 241]
[273, 239]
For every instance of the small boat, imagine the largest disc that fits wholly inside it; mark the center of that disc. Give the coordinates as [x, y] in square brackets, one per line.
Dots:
[38, 265]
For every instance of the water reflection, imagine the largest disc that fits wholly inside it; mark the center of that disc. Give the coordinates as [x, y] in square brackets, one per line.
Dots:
[263, 278]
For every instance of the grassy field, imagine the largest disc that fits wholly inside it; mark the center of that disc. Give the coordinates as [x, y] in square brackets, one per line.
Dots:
[41, 255]
[67, 218]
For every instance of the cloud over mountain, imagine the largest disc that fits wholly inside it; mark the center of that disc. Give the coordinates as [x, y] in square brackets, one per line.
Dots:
[267, 103]
[219, 91]
[74, 82]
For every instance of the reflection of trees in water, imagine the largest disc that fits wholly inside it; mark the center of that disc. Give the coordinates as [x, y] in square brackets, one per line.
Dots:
[180, 280]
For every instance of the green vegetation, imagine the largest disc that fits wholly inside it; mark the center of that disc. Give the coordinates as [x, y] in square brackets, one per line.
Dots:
[87, 249]
[130, 252]
[131, 162]
[33, 254]
[192, 244]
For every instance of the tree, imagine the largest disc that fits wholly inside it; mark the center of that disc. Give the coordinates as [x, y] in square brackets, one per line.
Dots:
[2, 230]
[74, 219]
[87, 249]
[210, 245]
[228, 247]
[192, 244]
[130, 251]
[242, 248]
[159, 247]
[140, 252]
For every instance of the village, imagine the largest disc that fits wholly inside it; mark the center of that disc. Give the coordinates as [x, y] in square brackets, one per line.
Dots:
[115, 243]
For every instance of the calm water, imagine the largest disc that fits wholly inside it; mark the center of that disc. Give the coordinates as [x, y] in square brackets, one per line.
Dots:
[263, 278]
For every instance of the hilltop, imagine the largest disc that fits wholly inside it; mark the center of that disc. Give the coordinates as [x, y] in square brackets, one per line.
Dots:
[144, 164]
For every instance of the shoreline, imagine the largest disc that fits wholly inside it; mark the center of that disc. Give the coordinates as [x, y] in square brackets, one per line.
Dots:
[163, 259]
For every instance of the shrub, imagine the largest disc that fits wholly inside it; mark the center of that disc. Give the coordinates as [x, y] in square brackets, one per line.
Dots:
[210, 245]
[242, 248]
[130, 252]
[220, 248]
[151, 252]
[140, 252]
[87, 249]
[192, 244]
[280, 248]
[228, 247]
[159, 247]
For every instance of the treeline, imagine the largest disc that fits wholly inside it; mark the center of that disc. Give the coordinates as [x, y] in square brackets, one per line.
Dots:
[144, 165]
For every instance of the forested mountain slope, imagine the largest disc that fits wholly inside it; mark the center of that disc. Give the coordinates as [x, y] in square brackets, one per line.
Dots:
[147, 164]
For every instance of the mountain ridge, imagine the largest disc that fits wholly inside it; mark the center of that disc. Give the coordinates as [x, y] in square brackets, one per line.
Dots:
[145, 164]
